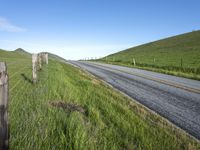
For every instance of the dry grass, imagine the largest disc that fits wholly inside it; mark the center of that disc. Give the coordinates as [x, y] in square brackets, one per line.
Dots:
[69, 107]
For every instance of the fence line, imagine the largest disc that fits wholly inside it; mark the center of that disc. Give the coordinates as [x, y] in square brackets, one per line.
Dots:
[3, 106]
[37, 61]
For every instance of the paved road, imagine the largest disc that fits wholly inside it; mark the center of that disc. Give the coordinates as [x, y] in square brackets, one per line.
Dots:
[175, 98]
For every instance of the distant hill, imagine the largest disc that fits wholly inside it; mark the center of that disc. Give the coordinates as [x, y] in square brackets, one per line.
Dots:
[12, 54]
[180, 53]
[22, 52]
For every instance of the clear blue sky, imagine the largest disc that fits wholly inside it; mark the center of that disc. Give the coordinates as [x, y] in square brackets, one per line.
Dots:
[77, 29]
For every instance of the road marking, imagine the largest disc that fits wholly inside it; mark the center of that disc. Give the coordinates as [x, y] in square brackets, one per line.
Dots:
[194, 90]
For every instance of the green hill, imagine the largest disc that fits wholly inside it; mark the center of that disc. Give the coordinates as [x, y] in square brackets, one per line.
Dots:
[51, 56]
[22, 52]
[56, 57]
[69, 109]
[179, 55]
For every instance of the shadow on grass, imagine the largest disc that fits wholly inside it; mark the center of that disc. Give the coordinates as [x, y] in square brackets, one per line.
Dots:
[26, 78]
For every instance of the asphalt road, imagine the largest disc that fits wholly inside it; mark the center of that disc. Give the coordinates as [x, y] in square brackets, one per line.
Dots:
[175, 98]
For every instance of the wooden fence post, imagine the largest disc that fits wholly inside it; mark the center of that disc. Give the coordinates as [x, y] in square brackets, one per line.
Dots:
[47, 57]
[4, 135]
[39, 61]
[34, 67]
[44, 57]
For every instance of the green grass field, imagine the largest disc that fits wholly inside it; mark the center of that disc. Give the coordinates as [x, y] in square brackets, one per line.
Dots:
[69, 109]
[178, 55]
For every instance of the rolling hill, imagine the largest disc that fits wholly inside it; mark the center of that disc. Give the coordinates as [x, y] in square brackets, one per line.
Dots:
[22, 52]
[179, 55]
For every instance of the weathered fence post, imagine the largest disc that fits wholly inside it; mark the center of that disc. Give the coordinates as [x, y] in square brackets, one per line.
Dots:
[34, 67]
[47, 58]
[4, 135]
[44, 57]
[39, 61]
[134, 61]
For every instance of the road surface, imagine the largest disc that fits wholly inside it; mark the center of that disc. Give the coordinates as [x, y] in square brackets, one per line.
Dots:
[175, 98]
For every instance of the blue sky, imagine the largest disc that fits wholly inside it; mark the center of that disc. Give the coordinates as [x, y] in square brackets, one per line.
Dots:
[76, 29]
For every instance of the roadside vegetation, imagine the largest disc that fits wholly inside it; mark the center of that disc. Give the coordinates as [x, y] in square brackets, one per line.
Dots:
[178, 55]
[69, 109]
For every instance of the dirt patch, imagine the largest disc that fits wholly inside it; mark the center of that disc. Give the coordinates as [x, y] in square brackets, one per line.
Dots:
[69, 107]
[95, 82]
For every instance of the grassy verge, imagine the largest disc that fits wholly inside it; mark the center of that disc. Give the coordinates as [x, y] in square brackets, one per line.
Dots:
[170, 70]
[68, 109]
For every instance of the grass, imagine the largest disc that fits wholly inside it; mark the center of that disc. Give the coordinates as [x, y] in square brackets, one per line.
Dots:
[178, 55]
[69, 109]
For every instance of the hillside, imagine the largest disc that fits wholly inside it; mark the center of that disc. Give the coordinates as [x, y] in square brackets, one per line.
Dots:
[69, 109]
[22, 52]
[52, 56]
[56, 57]
[176, 54]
